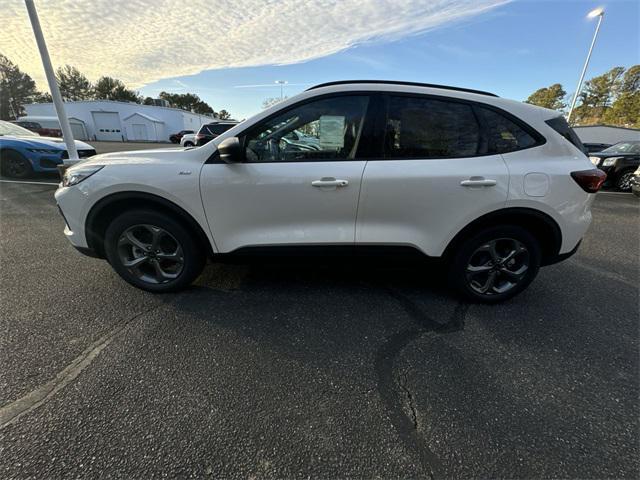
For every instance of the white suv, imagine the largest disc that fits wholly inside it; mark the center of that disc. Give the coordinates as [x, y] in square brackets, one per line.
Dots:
[495, 187]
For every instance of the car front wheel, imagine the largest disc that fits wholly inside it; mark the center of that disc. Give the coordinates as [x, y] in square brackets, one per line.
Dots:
[623, 183]
[495, 264]
[153, 251]
[15, 165]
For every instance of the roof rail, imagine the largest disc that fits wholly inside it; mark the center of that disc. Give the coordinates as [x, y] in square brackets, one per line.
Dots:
[396, 82]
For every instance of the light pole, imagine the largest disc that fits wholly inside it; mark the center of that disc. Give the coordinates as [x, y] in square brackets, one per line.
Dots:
[282, 83]
[598, 12]
[53, 84]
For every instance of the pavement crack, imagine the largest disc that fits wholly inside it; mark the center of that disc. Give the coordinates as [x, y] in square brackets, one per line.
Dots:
[413, 412]
[398, 402]
[12, 411]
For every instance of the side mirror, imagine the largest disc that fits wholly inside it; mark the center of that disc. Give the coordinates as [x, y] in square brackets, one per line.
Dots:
[230, 150]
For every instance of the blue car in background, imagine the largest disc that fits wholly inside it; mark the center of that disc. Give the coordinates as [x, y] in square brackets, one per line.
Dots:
[23, 152]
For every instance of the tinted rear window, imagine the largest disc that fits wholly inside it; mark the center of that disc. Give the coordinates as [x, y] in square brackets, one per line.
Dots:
[427, 128]
[503, 134]
[217, 129]
[560, 125]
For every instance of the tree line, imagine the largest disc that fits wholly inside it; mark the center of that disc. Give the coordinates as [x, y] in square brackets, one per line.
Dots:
[612, 98]
[18, 88]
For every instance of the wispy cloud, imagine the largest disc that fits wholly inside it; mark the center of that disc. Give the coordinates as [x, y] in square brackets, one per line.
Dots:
[140, 41]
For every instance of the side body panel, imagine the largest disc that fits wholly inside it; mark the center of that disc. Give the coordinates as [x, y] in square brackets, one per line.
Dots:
[422, 202]
[540, 178]
[161, 175]
[253, 204]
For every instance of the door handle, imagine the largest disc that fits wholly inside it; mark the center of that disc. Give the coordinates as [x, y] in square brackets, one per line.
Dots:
[330, 182]
[478, 182]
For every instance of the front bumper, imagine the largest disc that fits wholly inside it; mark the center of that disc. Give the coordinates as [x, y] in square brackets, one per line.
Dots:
[71, 203]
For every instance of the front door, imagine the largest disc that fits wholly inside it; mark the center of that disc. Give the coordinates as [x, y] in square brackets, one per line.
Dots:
[299, 183]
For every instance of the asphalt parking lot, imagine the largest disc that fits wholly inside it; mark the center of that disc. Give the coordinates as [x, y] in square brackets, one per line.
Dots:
[292, 371]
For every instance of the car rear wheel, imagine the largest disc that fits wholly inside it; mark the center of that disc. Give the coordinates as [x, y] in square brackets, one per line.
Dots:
[153, 251]
[189, 144]
[623, 183]
[495, 264]
[15, 165]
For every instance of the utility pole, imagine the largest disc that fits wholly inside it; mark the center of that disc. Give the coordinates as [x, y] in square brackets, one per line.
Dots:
[282, 83]
[53, 84]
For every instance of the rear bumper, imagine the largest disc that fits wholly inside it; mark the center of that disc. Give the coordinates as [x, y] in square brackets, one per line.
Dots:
[561, 256]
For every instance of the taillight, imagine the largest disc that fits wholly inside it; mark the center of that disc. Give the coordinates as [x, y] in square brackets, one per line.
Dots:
[589, 180]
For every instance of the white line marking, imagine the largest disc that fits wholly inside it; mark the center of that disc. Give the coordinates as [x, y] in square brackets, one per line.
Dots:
[614, 193]
[11, 412]
[30, 183]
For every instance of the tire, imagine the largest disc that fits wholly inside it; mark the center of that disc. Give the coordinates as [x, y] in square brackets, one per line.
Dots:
[161, 252]
[188, 144]
[15, 165]
[623, 182]
[474, 263]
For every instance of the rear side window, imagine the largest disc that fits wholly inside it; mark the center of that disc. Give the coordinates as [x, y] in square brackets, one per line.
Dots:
[560, 125]
[428, 128]
[503, 134]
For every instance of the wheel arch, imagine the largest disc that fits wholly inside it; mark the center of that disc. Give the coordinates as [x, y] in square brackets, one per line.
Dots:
[539, 224]
[108, 208]
[5, 150]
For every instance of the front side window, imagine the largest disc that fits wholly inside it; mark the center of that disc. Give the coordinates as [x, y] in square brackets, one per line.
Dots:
[325, 129]
[429, 128]
[503, 134]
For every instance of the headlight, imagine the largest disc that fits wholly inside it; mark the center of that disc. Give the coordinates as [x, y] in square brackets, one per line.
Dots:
[595, 160]
[74, 176]
[610, 161]
[50, 151]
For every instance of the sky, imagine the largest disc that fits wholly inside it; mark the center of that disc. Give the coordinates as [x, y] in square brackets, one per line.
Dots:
[231, 52]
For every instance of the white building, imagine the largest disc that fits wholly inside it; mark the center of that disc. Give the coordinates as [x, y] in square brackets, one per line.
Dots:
[107, 120]
[606, 134]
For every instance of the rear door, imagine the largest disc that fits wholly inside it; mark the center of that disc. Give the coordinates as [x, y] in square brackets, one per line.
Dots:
[291, 190]
[434, 176]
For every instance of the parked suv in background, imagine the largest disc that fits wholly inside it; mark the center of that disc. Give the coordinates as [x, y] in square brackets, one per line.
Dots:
[176, 137]
[211, 130]
[495, 188]
[188, 140]
[619, 161]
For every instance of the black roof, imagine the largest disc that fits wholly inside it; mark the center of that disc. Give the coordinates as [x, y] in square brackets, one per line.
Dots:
[413, 84]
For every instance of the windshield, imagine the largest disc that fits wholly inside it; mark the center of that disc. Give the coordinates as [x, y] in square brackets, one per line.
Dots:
[623, 147]
[7, 128]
